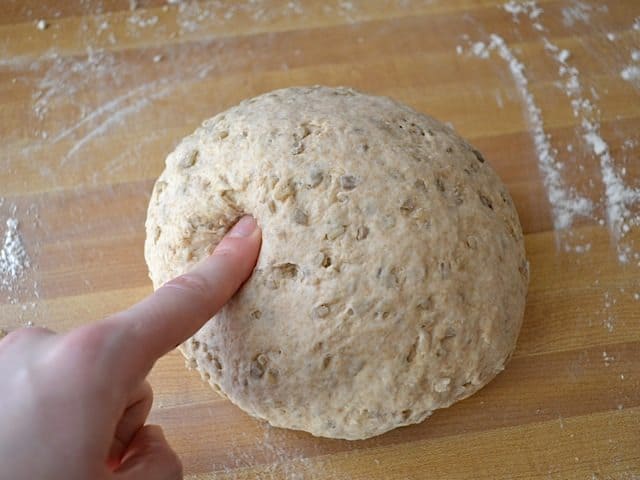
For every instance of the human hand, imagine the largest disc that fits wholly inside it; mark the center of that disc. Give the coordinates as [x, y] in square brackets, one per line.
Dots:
[74, 406]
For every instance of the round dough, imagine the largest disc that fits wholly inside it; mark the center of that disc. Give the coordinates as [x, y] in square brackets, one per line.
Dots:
[392, 276]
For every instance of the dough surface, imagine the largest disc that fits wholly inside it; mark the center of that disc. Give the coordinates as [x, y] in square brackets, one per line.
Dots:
[392, 276]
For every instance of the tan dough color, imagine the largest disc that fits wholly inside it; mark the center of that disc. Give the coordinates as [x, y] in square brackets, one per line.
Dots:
[392, 276]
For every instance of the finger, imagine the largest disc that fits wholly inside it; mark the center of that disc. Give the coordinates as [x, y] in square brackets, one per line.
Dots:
[149, 457]
[24, 338]
[181, 306]
[132, 420]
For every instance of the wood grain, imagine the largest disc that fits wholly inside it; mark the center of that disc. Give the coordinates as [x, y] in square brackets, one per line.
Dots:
[90, 107]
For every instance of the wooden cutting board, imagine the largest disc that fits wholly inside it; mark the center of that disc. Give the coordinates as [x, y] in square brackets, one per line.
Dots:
[94, 97]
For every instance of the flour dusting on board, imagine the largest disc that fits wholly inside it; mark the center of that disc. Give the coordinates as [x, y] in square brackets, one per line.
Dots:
[14, 259]
[620, 200]
[565, 203]
[271, 455]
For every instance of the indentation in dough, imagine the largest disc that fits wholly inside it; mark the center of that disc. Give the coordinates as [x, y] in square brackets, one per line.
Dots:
[478, 155]
[286, 270]
[272, 375]
[335, 232]
[315, 178]
[300, 217]
[229, 197]
[326, 361]
[425, 305]
[348, 182]
[321, 311]
[362, 232]
[486, 201]
[326, 261]
[420, 185]
[408, 206]
[215, 361]
[412, 351]
[444, 267]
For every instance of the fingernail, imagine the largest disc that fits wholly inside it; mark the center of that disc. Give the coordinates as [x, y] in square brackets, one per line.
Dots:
[245, 227]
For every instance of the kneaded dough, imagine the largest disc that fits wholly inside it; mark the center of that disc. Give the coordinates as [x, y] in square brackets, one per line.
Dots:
[392, 276]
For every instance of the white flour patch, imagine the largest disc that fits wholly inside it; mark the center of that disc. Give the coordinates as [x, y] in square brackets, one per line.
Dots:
[630, 73]
[608, 321]
[14, 259]
[66, 77]
[114, 119]
[619, 199]
[607, 358]
[617, 196]
[498, 97]
[566, 204]
[480, 50]
[139, 20]
[272, 456]
[576, 12]
[528, 8]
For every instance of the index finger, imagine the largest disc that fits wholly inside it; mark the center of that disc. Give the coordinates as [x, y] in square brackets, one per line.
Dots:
[180, 307]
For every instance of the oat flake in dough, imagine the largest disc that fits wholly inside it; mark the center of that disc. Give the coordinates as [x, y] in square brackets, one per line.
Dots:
[392, 276]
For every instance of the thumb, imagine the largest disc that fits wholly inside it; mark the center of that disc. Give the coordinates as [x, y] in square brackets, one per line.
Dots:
[149, 457]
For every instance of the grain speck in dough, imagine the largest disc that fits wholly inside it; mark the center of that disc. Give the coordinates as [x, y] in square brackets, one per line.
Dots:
[392, 277]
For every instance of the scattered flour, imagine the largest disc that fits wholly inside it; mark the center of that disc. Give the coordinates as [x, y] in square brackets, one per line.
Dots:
[42, 24]
[566, 204]
[619, 198]
[479, 49]
[528, 7]
[142, 21]
[577, 12]
[630, 73]
[13, 257]
[617, 195]
[609, 319]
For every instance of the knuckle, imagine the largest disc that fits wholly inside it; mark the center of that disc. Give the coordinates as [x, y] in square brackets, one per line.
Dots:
[191, 283]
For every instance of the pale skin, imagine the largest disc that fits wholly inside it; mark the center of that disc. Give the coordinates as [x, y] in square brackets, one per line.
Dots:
[75, 405]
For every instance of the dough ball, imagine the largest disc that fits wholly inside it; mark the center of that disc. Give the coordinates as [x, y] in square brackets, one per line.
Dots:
[392, 276]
